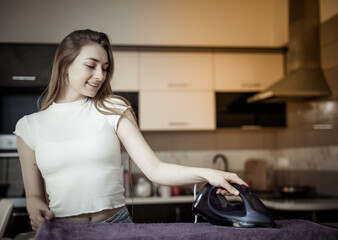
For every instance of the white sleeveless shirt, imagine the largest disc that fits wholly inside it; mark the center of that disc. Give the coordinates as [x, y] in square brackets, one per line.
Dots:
[78, 154]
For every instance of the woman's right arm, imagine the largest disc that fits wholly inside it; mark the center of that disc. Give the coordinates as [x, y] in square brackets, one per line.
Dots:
[34, 186]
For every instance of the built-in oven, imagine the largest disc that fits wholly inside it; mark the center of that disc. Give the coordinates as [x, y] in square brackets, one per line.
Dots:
[15, 102]
[11, 185]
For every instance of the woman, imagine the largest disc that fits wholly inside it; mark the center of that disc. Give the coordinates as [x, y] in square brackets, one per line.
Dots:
[70, 150]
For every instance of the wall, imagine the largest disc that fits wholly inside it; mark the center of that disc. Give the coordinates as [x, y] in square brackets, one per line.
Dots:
[149, 22]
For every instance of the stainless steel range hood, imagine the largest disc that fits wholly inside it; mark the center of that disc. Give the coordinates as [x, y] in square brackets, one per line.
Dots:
[304, 78]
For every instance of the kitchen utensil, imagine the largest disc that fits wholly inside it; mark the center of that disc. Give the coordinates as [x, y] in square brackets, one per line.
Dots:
[296, 191]
[255, 174]
[218, 211]
[143, 187]
[175, 190]
[165, 191]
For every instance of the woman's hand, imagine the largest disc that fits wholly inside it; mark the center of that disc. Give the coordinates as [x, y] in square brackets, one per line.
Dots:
[38, 215]
[223, 179]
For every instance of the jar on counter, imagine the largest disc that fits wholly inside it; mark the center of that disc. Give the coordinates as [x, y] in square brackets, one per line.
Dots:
[143, 187]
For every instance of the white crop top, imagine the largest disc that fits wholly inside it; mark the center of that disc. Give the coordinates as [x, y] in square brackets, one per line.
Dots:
[78, 153]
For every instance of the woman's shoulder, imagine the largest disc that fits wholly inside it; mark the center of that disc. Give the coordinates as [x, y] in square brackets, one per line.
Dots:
[116, 102]
[31, 115]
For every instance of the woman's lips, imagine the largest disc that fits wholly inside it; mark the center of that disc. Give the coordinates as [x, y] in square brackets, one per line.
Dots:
[94, 85]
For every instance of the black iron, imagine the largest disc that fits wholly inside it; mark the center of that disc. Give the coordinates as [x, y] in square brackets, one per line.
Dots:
[217, 210]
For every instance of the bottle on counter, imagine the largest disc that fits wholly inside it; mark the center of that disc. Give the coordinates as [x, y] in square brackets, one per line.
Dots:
[143, 187]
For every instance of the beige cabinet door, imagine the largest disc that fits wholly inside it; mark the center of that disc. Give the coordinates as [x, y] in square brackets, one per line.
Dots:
[179, 110]
[125, 78]
[176, 70]
[245, 72]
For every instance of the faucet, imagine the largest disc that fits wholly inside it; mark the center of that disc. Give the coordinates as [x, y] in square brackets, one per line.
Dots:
[225, 161]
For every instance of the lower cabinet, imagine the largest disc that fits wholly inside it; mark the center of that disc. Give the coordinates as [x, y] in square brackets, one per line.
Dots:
[18, 223]
[182, 212]
[162, 213]
[323, 216]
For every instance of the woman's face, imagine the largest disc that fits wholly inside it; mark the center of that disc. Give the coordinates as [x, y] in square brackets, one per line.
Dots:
[86, 73]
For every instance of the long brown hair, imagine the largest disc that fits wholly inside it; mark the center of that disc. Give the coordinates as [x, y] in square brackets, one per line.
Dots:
[66, 52]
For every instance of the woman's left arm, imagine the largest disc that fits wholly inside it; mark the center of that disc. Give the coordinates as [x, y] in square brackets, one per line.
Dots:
[166, 173]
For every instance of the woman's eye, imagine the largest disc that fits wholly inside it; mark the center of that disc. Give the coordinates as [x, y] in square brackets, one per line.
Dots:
[90, 66]
[105, 69]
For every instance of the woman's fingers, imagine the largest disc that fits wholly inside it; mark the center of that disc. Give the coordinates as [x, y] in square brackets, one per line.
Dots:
[37, 218]
[233, 178]
[47, 214]
[229, 188]
[224, 180]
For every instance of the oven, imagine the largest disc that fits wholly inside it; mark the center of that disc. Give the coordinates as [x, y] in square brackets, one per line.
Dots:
[11, 185]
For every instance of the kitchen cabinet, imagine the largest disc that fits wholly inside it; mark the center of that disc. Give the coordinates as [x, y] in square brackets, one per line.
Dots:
[19, 222]
[176, 70]
[322, 216]
[247, 72]
[26, 65]
[177, 110]
[162, 213]
[176, 91]
[126, 71]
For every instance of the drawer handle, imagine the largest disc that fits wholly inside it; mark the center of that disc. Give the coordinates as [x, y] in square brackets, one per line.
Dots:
[250, 84]
[20, 214]
[251, 127]
[172, 124]
[177, 84]
[24, 78]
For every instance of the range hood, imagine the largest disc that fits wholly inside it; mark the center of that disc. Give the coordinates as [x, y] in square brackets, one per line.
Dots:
[304, 78]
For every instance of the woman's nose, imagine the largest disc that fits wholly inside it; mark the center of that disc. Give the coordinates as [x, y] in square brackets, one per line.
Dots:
[99, 74]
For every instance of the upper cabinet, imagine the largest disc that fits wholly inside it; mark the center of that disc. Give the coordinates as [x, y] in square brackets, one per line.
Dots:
[26, 65]
[176, 91]
[176, 71]
[126, 68]
[247, 72]
[177, 110]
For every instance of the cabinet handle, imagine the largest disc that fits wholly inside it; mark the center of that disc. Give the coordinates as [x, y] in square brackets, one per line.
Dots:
[177, 84]
[24, 78]
[178, 124]
[251, 85]
[19, 214]
[251, 127]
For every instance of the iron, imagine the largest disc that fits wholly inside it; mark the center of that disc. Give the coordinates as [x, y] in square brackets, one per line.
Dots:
[217, 210]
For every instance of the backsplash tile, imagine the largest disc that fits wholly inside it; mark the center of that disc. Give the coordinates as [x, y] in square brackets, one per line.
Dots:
[322, 158]
[313, 166]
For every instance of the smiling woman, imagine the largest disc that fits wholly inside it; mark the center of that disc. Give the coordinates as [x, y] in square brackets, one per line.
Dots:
[70, 150]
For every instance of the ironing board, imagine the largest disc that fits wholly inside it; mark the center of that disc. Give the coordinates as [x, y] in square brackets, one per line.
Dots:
[286, 229]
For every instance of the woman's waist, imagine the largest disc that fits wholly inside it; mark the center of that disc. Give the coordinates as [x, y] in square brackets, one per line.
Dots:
[93, 217]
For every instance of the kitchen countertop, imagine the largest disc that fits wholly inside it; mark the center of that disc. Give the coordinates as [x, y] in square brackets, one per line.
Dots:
[302, 204]
[277, 204]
